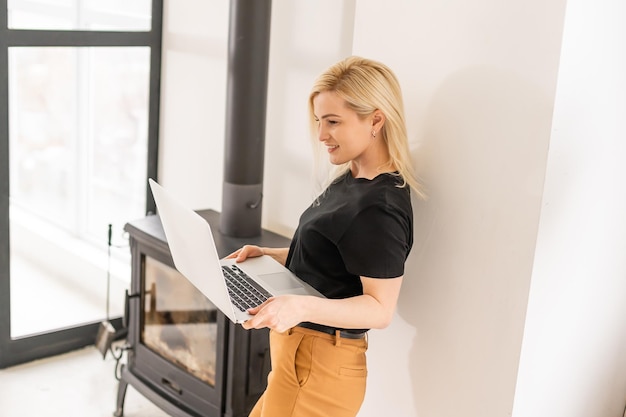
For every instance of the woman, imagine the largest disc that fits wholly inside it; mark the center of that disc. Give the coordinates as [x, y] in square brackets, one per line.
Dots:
[351, 245]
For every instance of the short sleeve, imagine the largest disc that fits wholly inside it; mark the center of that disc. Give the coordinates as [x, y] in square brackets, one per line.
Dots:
[377, 242]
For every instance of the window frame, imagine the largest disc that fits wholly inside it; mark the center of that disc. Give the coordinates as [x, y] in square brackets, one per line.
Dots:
[23, 349]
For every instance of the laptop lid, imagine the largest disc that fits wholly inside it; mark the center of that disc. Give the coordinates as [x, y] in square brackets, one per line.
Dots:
[193, 250]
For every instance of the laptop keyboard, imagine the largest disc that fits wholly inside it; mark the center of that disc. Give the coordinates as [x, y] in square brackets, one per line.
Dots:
[243, 291]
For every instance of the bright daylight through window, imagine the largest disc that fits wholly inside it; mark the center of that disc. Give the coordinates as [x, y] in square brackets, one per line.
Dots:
[78, 138]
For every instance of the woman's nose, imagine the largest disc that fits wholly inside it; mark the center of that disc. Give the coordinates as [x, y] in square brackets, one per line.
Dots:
[321, 134]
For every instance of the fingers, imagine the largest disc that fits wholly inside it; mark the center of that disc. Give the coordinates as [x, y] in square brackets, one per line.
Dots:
[258, 308]
[260, 317]
[236, 254]
[275, 314]
[233, 255]
[253, 323]
[247, 251]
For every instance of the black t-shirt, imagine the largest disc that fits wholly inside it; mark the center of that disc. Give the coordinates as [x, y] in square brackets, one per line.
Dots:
[357, 227]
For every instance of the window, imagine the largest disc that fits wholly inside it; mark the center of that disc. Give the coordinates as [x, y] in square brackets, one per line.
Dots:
[78, 122]
[134, 15]
[81, 104]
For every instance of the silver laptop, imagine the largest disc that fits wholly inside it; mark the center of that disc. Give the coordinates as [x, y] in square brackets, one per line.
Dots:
[232, 287]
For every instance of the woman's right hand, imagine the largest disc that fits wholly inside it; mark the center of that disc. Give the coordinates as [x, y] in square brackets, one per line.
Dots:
[252, 251]
[247, 251]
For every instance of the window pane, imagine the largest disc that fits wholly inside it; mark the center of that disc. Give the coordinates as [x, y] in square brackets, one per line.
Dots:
[42, 130]
[78, 121]
[119, 83]
[123, 15]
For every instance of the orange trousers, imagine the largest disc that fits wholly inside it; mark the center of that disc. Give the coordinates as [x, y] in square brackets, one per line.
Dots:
[313, 375]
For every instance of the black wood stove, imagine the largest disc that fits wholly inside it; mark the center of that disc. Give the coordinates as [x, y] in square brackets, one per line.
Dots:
[185, 355]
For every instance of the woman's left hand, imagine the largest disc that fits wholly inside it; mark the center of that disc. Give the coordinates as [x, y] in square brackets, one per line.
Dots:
[279, 313]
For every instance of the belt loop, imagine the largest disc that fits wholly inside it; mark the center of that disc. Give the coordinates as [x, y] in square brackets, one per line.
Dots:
[337, 338]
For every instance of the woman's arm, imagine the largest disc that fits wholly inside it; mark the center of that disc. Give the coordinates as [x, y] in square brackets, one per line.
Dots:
[372, 310]
[252, 251]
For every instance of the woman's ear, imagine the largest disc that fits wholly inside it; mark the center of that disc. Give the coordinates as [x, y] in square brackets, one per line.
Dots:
[378, 120]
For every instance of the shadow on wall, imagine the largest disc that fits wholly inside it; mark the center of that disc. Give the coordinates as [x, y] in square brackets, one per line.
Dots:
[483, 158]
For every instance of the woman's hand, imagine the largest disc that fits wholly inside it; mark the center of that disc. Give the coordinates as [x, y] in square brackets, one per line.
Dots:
[252, 251]
[247, 251]
[279, 313]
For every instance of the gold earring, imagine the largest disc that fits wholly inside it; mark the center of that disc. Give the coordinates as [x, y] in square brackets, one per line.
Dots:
[373, 133]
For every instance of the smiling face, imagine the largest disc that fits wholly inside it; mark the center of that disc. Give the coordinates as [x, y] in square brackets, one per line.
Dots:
[348, 137]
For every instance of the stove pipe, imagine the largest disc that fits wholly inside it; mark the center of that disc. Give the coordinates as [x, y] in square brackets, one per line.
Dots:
[248, 58]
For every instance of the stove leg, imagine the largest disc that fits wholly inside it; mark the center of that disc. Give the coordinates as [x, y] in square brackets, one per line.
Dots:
[121, 395]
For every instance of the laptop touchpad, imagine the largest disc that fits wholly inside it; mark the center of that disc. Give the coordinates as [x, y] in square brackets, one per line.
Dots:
[281, 281]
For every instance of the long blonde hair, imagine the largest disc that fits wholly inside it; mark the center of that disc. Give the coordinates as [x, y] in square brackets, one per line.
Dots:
[366, 86]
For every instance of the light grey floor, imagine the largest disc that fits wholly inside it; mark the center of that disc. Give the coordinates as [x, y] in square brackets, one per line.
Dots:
[76, 384]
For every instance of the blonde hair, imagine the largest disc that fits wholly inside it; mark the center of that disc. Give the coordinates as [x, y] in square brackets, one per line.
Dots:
[366, 86]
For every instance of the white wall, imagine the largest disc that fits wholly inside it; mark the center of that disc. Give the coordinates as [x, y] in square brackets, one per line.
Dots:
[479, 80]
[306, 37]
[575, 338]
[193, 98]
